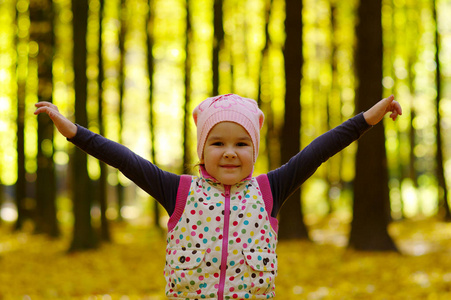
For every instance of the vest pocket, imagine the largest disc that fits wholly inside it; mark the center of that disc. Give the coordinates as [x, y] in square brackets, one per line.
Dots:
[185, 272]
[263, 270]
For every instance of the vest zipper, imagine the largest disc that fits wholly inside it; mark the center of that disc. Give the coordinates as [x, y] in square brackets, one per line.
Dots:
[225, 243]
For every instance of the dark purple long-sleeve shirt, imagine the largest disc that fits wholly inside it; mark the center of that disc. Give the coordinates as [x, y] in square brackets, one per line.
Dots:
[163, 185]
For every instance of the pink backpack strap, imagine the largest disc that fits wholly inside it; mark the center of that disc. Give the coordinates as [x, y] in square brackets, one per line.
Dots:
[180, 202]
[265, 189]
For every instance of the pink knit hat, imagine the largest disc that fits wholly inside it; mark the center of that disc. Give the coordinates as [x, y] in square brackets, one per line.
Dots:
[232, 108]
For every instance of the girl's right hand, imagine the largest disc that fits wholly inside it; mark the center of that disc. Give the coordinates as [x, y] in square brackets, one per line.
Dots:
[375, 114]
[64, 126]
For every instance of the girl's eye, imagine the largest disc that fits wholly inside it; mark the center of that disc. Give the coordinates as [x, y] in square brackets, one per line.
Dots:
[217, 144]
[243, 144]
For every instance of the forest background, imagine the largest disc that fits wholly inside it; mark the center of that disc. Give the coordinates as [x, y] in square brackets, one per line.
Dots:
[134, 70]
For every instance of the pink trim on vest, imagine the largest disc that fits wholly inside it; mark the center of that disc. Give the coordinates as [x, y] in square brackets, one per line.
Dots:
[180, 202]
[225, 243]
[265, 188]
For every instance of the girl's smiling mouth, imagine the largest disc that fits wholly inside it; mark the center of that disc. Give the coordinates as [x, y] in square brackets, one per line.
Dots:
[229, 166]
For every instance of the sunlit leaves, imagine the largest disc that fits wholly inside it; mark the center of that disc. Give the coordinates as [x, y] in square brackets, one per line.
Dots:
[41, 269]
[132, 268]
[326, 272]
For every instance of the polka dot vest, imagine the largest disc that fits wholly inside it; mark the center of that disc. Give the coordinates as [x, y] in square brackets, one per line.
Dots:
[223, 245]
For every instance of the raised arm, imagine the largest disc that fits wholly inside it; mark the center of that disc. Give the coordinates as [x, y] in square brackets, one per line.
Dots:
[286, 179]
[64, 126]
[159, 184]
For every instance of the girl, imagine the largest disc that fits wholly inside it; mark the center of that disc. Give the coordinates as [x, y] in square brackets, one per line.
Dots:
[222, 231]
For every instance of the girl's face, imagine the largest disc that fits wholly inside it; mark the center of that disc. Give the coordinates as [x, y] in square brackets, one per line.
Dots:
[228, 153]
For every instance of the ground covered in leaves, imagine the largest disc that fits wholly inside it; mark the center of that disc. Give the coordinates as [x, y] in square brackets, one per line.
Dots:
[35, 267]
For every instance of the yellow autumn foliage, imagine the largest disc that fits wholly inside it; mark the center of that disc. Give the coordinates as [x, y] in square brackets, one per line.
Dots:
[35, 267]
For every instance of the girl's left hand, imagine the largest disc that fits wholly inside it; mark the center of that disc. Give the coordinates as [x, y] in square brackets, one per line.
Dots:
[375, 114]
[64, 126]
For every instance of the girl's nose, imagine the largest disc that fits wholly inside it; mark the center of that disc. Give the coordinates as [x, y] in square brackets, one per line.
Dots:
[229, 154]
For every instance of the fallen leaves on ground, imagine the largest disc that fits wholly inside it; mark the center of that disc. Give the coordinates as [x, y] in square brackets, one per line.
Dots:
[35, 267]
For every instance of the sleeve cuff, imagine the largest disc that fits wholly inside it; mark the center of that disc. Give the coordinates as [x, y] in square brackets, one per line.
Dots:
[363, 126]
[81, 132]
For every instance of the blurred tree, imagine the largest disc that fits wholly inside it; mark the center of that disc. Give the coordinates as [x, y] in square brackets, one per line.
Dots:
[102, 181]
[150, 71]
[187, 112]
[41, 32]
[264, 81]
[218, 42]
[412, 61]
[265, 52]
[20, 187]
[21, 184]
[83, 234]
[122, 32]
[291, 218]
[334, 164]
[442, 186]
[371, 209]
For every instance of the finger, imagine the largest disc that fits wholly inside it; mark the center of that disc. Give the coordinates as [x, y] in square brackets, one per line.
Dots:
[394, 115]
[40, 110]
[43, 109]
[42, 103]
[46, 104]
[398, 107]
[387, 103]
[390, 99]
[49, 111]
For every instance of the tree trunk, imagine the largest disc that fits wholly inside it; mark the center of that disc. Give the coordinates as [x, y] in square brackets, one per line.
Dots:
[412, 172]
[334, 105]
[103, 199]
[442, 186]
[291, 218]
[41, 31]
[120, 187]
[83, 233]
[150, 68]
[187, 115]
[371, 209]
[272, 137]
[20, 187]
[217, 43]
